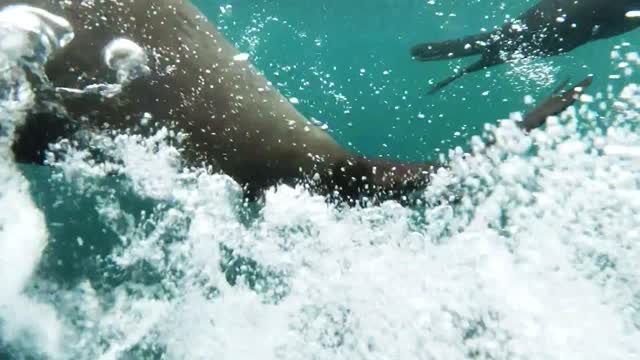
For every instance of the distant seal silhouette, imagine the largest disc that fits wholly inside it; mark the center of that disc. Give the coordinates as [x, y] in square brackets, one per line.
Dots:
[549, 28]
[195, 82]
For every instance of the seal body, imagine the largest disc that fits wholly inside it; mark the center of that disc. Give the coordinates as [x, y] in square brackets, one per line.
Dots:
[234, 120]
[549, 28]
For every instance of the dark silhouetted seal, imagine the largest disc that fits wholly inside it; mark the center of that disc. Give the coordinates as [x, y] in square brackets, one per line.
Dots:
[549, 28]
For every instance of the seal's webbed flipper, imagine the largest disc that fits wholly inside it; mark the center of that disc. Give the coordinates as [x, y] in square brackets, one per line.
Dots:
[451, 49]
[477, 66]
[442, 84]
[553, 105]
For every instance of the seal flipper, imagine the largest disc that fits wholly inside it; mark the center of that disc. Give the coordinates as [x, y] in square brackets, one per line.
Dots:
[553, 105]
[451, 49]
[356, 179]
[363, 181]
[481, 64]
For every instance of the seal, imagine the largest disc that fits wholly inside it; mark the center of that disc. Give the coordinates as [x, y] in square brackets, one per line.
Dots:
[549, 28]
[194, 81]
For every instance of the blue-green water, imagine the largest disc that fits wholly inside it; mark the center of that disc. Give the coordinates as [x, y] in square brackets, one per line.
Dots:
[539, 261]
[296, 42]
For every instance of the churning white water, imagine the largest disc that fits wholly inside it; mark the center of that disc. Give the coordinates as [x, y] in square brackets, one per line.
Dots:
[538, 260]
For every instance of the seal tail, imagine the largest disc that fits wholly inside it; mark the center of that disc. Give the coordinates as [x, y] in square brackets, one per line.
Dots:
[451, 49]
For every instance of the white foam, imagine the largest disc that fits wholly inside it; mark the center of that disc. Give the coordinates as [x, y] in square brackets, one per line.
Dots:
[633, 14]
[364, 284]
[127, 58]
[31, 27]
[241, 57]
[23, 234]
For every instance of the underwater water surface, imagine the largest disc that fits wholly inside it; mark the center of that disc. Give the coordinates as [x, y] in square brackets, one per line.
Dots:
[538, 260]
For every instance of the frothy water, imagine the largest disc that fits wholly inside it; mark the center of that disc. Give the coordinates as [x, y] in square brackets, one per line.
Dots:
[28, 38]
[537, 260]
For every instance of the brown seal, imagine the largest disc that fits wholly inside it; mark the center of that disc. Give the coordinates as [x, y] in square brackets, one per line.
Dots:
[234, 119]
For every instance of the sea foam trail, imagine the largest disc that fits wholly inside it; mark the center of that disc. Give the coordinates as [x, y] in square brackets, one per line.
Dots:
[537, 260]
[26, 33]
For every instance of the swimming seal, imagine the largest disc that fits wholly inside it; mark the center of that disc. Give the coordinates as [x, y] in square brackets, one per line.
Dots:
[195, 82]
[549, 28]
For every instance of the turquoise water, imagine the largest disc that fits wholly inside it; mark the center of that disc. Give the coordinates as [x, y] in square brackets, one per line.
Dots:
[338, 39]
[538, 262]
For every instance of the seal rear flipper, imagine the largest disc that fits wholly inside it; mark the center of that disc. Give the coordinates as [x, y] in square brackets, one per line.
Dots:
[481, 64]
[451, 49]
[363, 181]
[390, 180]
[553, 105]
[442, 84]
